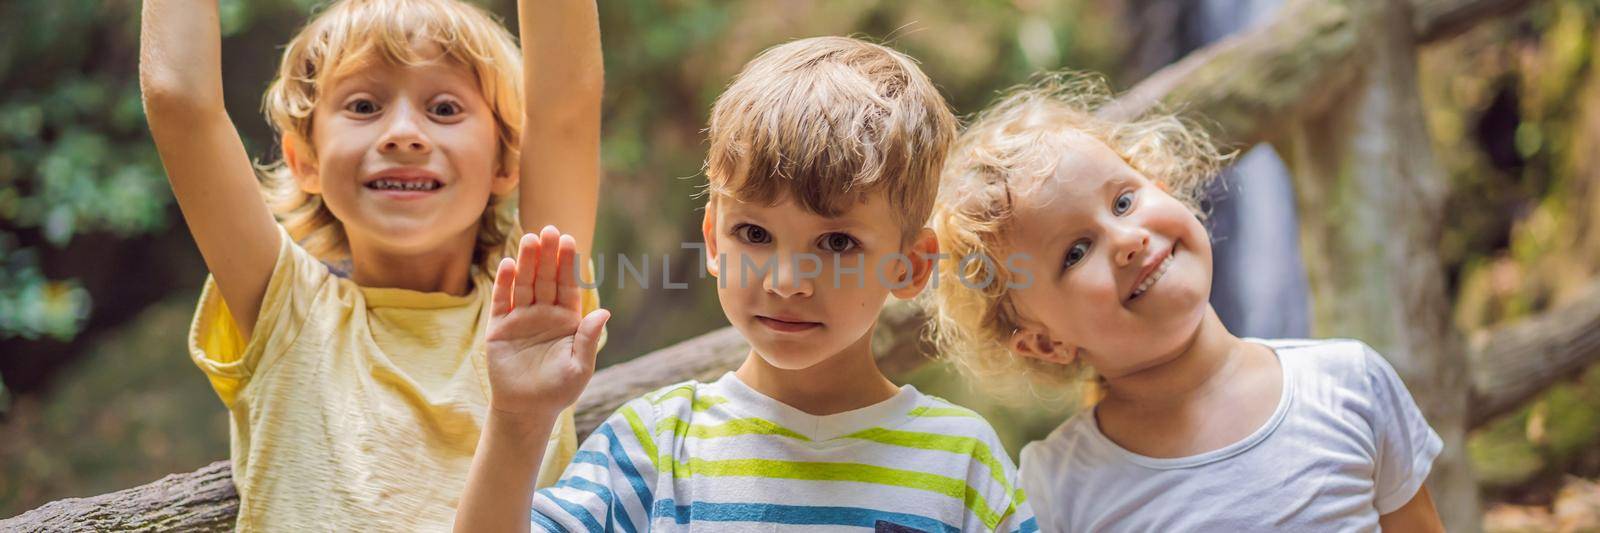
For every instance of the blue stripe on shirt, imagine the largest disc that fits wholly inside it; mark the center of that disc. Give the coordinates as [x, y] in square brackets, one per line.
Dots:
[795, 515]
[545, 522]
[620, 455]
[605, 495]
[578, 512]
[593, 458]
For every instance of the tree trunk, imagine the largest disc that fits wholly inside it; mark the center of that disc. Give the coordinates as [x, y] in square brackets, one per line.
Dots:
[1371, 198]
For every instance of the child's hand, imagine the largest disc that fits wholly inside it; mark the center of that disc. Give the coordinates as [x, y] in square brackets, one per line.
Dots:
[540, 355]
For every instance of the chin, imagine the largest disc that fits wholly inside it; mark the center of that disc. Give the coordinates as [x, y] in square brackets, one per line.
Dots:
[789, 355]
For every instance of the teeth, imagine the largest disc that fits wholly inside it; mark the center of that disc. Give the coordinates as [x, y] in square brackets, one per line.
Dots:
[404, 185]
[1160, 270]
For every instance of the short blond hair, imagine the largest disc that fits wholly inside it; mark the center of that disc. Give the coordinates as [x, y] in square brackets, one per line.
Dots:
[1008, 150]
[349, 34]
[827, 120]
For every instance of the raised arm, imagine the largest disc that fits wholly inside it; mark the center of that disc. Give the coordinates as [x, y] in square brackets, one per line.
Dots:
[180, 76]
[540, 354]
[564, 77]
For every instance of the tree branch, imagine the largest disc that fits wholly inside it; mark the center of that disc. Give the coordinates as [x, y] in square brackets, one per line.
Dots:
[1435, 20]
[1249, 85]
[1512, 363]
[202, 500]
[1246, 86]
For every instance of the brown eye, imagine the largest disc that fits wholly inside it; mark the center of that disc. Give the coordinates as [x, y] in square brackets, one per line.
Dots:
[838, 243]
[362, 106]
[447, 109]
[752, 234]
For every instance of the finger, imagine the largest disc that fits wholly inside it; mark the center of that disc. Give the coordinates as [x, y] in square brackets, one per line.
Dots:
[567, 294]
[586, 342]
[527, 257]
[544, 282]
[504, 283]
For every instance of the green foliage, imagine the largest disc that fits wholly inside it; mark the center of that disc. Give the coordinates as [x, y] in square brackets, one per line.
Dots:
[74, 157]
[136, 410]
[1516, 228]
[31, 305]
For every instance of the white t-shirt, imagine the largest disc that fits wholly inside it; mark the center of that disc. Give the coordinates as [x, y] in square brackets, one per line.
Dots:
[1345, 445]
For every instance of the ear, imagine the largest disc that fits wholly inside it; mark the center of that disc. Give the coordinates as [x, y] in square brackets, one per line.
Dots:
[924, 254]
[297, 157]
[1033, 343]
[708, 233]
[506, 178]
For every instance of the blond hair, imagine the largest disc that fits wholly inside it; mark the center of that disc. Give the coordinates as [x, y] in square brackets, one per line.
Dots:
[350, 34]
[827, 120]
[1007, 151]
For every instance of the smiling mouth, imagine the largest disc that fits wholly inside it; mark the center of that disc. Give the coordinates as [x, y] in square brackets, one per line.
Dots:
[1150, 281]
[418, 185]
[787, 326]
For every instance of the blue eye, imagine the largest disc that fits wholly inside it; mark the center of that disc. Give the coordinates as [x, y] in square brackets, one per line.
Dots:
[1076, 253]
[1123, 204]
[838, 243]
[752, 234]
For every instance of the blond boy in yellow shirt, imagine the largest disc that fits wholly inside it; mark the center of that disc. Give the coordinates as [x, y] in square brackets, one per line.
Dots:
[358, 390]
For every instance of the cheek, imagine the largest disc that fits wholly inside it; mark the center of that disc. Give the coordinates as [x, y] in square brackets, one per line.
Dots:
[1077, 310]
[339, 153]
[474, 146]
[740, 267]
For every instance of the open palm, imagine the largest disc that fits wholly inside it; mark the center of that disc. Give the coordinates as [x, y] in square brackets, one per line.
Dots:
[540, 353]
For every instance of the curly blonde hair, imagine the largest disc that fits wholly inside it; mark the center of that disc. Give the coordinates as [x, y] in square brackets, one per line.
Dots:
[349, 34]
[1009, 149]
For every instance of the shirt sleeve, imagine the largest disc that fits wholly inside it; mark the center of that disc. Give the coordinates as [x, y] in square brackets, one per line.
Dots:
[1406, 446]
[1021, 520]
[997, 480]
[1034, 478]
[221, 350]
[611, 480]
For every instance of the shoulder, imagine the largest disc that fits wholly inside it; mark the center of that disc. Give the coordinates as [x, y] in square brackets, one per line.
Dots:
[675, 399]
[1341, 362]
[1056, 450]
[951, 418]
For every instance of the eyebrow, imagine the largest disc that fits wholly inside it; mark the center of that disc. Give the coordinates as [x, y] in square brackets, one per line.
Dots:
[1113, 183]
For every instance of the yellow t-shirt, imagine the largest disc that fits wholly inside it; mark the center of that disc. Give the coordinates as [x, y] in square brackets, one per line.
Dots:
[353, 408]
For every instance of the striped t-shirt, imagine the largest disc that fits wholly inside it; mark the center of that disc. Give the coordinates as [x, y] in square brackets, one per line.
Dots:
[722, 457]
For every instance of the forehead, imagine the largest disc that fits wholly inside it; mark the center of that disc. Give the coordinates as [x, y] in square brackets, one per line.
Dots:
[423, 62]
[869, 210]
[1084, 169]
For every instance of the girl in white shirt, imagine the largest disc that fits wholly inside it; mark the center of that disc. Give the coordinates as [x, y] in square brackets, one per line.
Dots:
[1076, 255]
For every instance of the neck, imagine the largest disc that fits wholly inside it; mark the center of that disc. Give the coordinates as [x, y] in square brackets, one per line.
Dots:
[846, 381]
[1209, 355]
[446, 268]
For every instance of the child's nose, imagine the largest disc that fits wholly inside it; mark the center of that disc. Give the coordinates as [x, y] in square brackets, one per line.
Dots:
[404, 135]
[1129, 242]
[790, 277]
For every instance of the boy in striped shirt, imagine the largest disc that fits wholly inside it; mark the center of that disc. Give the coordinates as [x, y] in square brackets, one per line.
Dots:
[823, 167]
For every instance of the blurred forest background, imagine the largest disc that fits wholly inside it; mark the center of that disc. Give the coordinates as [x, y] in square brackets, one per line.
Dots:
[99, 277]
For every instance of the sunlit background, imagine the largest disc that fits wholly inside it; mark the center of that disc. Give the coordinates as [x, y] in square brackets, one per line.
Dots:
[99, 276]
